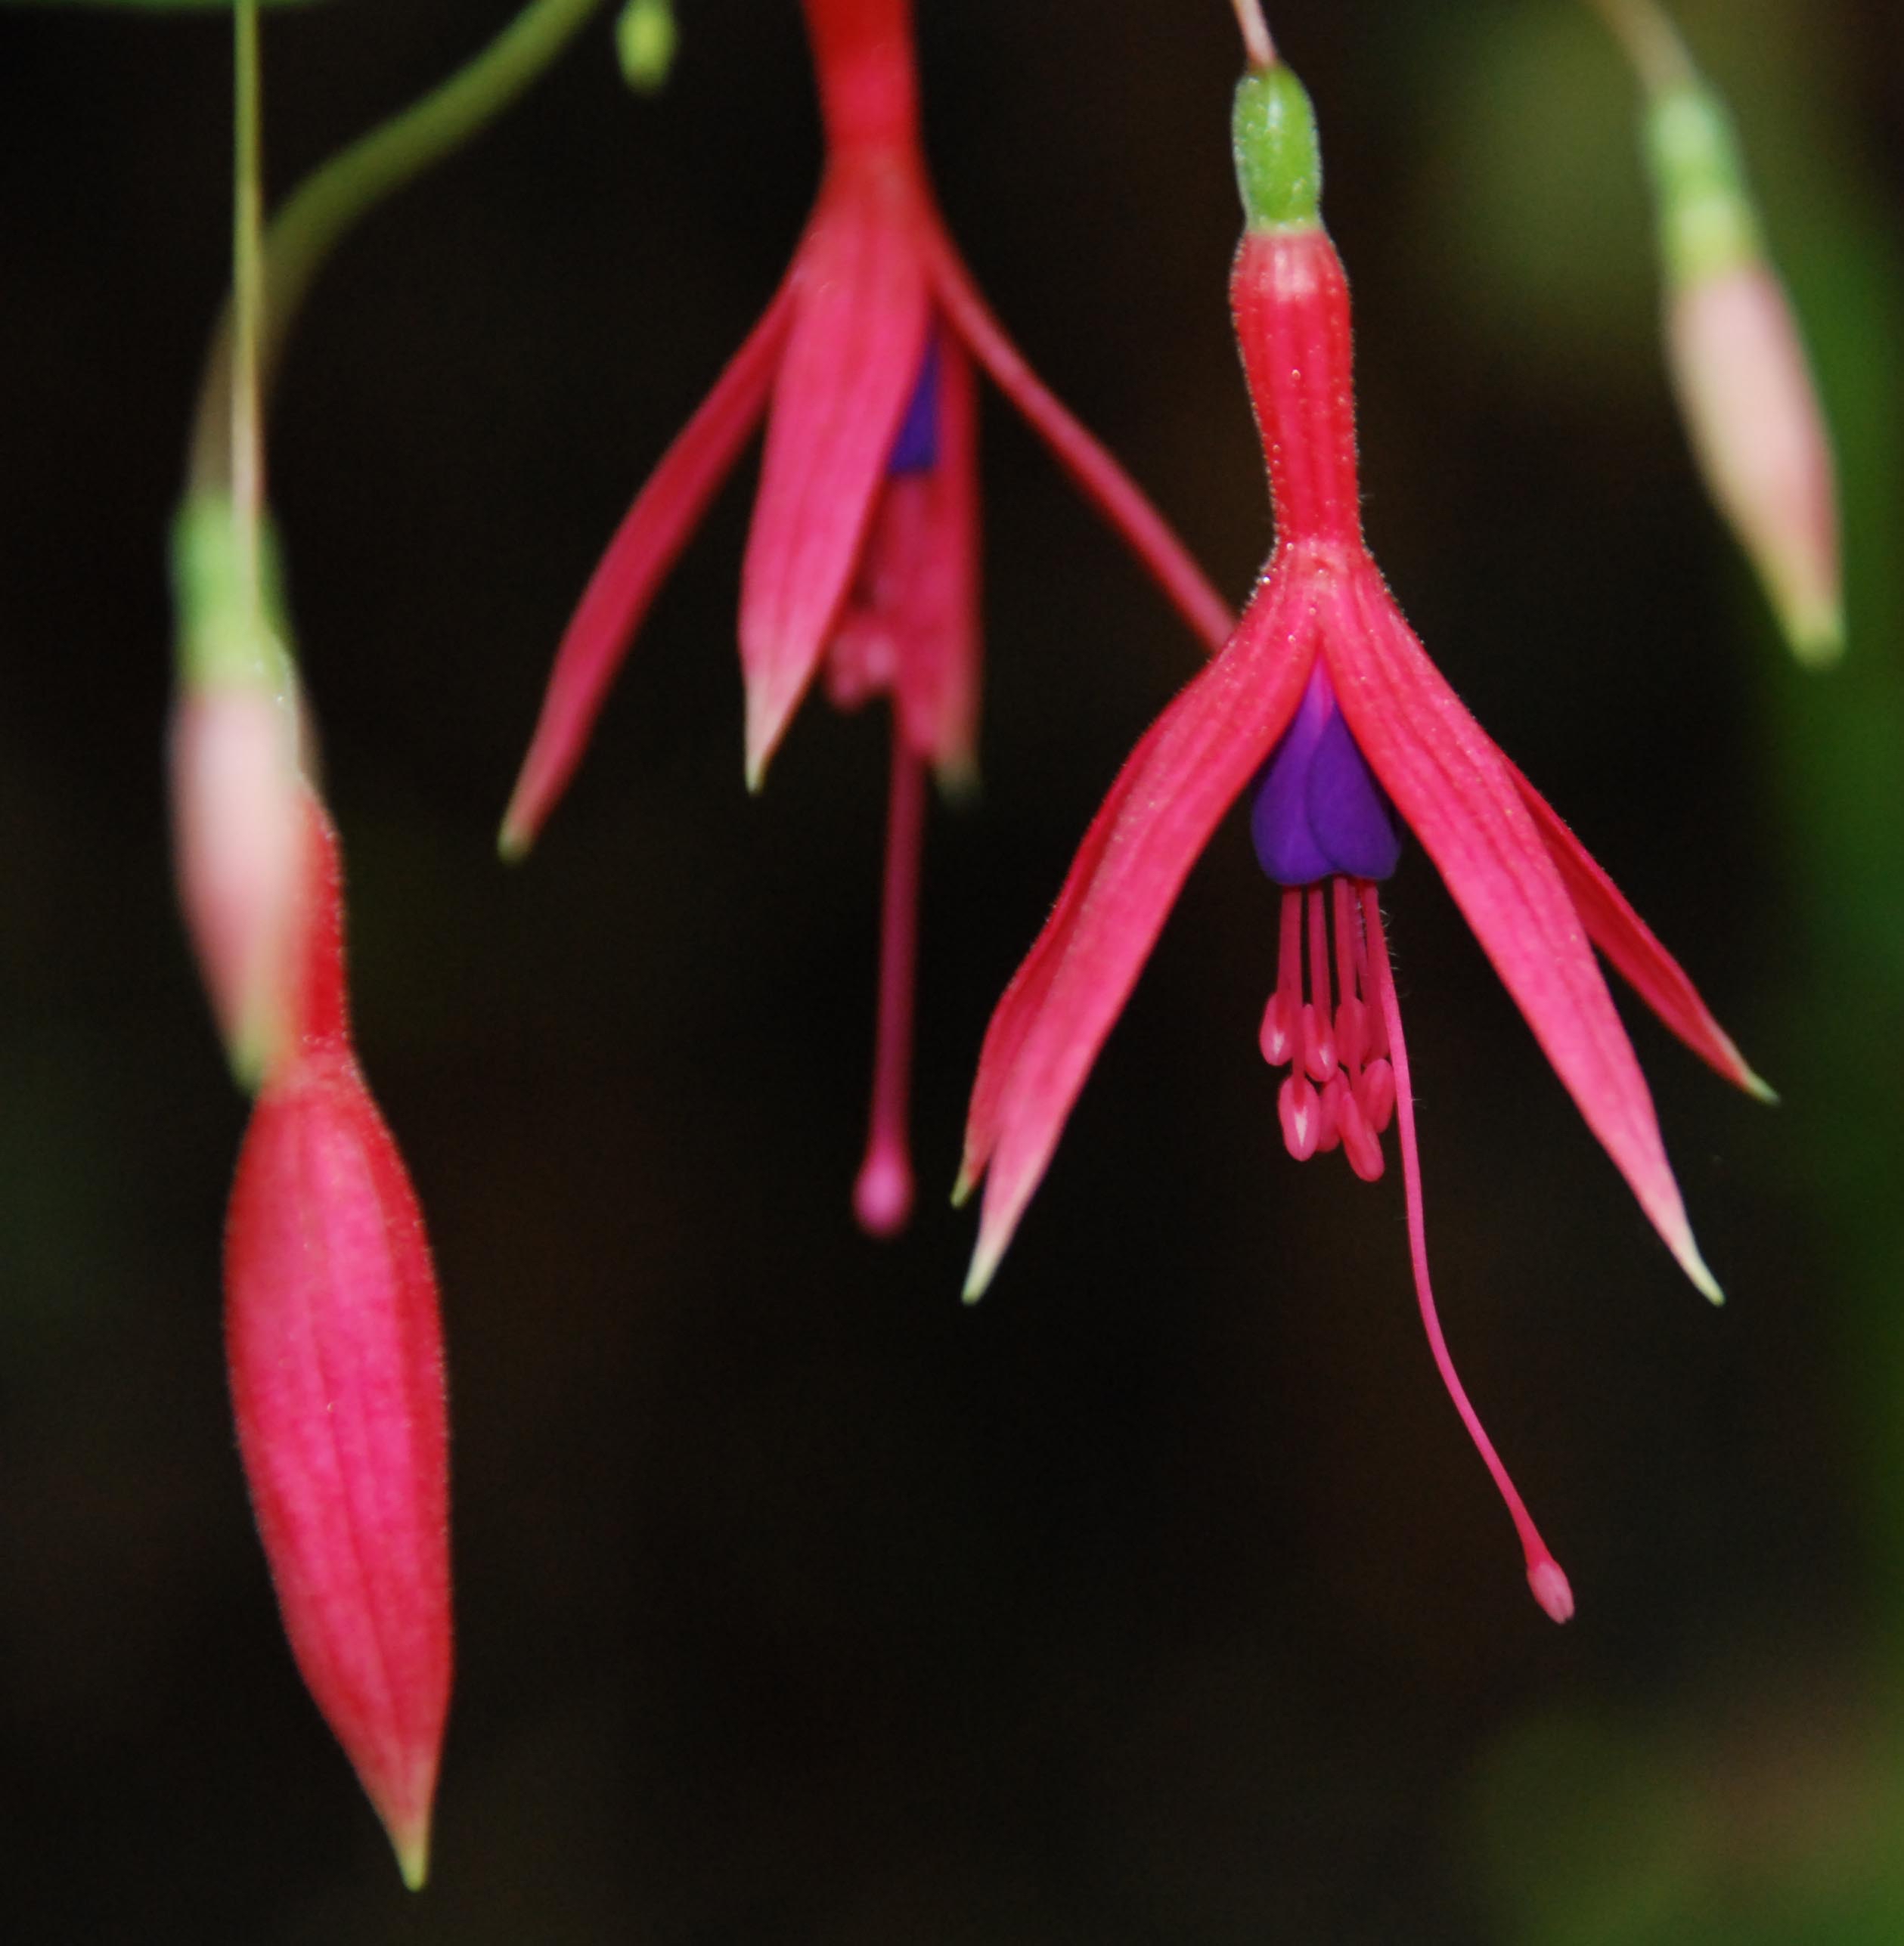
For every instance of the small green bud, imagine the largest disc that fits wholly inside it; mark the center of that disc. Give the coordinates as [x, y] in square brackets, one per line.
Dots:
[645, 38]
[1279, 158]
[225, 639]
[1707, 223]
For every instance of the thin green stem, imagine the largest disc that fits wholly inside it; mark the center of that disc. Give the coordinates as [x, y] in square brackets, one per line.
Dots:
[1652, 42]
[246, 413]
[319, 212]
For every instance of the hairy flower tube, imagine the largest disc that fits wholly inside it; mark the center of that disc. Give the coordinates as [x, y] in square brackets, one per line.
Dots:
[861, 566]
[334, 1346]
[1324, 711]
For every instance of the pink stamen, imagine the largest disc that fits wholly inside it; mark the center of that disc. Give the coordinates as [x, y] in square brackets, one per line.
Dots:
[1299, 1109]
[1318, 1029]
[882, 1194]
[1333, 1094]
[1351, 1019]
[1359, 1142]
[1375, 1093]
[1545, 1580]
[1277, 1038]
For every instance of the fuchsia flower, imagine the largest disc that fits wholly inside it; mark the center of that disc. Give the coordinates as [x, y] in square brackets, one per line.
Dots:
[335, 1350]
[1324, 708]
[861, 566]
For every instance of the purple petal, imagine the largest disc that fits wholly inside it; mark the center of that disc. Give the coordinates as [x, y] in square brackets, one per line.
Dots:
[916, 449]
[1316, 809]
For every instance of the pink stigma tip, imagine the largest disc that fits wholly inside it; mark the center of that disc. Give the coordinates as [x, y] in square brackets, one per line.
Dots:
[1550, 1588]
[882, 1197]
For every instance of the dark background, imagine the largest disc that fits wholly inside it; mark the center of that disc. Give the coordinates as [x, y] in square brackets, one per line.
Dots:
[1160, 1598]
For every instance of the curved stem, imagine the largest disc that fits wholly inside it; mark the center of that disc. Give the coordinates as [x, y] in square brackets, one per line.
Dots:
[245, 451]
[1652, 42]
[1256, 44]
[325, 206]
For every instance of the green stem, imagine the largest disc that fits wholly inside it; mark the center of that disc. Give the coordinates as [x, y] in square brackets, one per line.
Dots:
[303, 234]
[1652, 42]
[245, 450]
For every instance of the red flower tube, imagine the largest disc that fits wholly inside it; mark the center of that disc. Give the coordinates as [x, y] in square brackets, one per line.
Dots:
[862, 564]
[336, 1357]
[1325, 709]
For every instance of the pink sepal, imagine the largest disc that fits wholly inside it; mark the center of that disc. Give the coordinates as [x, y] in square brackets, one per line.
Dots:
[910, 629]
[1454, 791]
[1138, 852]
[1628, 942]
[1099, 476]
[853, 351]
[645, 547]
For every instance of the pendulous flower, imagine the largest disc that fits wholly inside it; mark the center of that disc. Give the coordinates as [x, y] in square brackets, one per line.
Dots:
[334, 1346]
[861, 567]
[1324, 710]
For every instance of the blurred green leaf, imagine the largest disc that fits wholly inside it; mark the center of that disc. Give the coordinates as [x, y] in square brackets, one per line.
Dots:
[158, 6]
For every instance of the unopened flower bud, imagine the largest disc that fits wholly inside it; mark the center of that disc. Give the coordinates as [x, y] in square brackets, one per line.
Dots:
[236, 793]
[1744, 387]
[335, 1351]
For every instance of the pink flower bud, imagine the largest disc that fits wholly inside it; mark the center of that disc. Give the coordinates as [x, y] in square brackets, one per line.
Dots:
[335, 1350]
[237, 825]
[1747, 394]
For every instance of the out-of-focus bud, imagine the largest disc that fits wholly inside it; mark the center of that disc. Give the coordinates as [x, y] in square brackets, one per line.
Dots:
[335, 1349]
[645, 38]
[236, 798]
[1744, 385]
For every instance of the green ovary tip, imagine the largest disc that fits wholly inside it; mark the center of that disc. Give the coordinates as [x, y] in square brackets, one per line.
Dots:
[1279, 157]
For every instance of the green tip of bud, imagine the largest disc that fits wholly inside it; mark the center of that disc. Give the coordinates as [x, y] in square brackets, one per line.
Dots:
[1814, 632]
[1279, 157]
[1707, 223]
[413, 1858]
[645, 40]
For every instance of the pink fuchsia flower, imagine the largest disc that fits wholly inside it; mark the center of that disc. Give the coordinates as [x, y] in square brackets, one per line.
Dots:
[1744, 387]
[334, 1345]
[1324, 710]
[861, 567]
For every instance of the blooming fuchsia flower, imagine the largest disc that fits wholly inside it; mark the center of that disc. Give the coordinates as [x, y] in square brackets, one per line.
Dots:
[334, 1350]
[1324, 710]
[862, 564]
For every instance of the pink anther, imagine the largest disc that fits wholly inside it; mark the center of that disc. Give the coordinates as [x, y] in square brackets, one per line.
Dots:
[1300, 1110]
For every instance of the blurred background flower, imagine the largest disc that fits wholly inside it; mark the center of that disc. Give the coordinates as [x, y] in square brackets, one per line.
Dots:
[1158, 1598]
